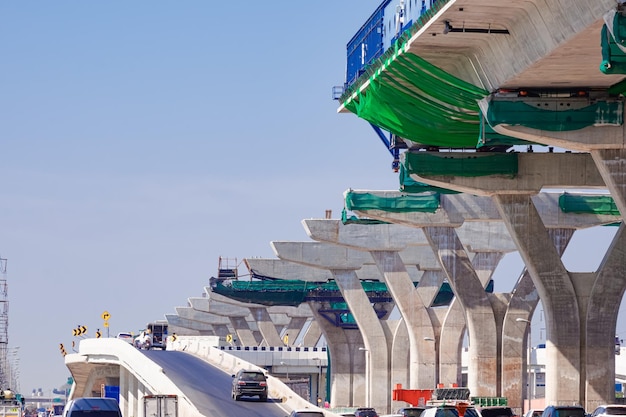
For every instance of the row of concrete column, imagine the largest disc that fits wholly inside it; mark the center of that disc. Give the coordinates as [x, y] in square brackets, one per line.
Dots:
[581, 309]
[497, 344]
[492, 320]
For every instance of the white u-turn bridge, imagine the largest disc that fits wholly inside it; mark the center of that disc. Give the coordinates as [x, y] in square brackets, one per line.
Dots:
[192, 368]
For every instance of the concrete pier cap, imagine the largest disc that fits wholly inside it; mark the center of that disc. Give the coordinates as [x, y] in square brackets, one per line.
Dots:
[388, 236]
[277, 268]
[208, 305]
[277, 314]
[190, 314]
[176, 320]
[475, 208]
[297, 271]
[322, 255]
[536, 171]
[477, 236]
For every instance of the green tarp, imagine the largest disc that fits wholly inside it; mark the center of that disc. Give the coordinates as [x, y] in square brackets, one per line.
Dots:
[613, 42]
[413, 99]
[470, 164]
[528, 113]
[276, 292]
[426, 202]
[420, 102]
[409, 185]
[596, 204]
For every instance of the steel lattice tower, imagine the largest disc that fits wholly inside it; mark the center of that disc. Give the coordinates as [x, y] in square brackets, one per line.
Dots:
[4, 326]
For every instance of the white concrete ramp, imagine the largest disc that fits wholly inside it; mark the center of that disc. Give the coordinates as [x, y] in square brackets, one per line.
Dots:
[101, 360]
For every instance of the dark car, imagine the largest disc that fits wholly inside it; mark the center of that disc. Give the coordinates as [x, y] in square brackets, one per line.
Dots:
[564, 411]
[412, 411]
[92, 407]
[248, 383]
[495, 411]
[365, 412]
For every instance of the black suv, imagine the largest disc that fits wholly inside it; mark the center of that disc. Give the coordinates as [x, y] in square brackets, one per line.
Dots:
[248, 383]
[495, 411]
[365, 412]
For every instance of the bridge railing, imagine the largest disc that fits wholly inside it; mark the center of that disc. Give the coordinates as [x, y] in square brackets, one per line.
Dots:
[205, 348]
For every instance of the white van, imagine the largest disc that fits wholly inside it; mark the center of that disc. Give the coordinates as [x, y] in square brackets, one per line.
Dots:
[440, 412]
[92, 407]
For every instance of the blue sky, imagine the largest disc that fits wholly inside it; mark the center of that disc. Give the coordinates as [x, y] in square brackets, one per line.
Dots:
[143, 140]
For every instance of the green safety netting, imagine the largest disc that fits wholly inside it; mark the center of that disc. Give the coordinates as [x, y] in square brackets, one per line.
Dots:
[613, 42]
[488, 136]
[352, 219]
[426, 202]
[528, 113]
[416, 100]
[420, 102]
[409, 185]
[281, 292]
[413, 99]
[470, 164]
[596, 204]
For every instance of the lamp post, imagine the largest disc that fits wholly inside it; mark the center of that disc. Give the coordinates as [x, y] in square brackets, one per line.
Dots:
[430, 339]
[367, 375]
[319, 377]
[287, 367]
[528, 375]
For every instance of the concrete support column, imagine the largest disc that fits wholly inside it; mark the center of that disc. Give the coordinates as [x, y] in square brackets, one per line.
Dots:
[222, 331]
[124, 397]
[347, 387]
[89, 385]
[481, 324]
[484, 263]
[611, 164]
[516, 326]
[604, 304]
[449, 344]
[133, 400]
[430, 285]
[448, 324]
[421, 352]
[293, 329]
[141, 391]
[374, 338]
[515, 330]
[312, 334]
[400, 358]
[243, 331]
[557, 294]
[266, 326]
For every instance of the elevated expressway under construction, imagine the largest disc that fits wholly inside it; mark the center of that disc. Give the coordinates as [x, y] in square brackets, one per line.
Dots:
[460, 91]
